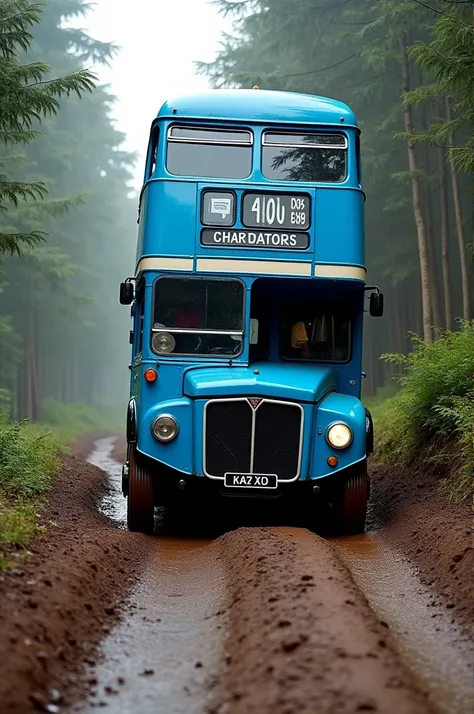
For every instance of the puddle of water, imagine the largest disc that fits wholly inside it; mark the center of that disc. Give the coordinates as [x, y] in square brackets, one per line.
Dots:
[167, 648]
[423, 633]
[113, 505]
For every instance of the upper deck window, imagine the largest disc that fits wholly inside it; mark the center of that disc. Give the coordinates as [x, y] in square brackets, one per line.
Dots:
[210, 153]
[315, 158]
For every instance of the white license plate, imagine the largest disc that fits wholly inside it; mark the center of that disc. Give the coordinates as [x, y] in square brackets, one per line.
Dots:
[233, 480]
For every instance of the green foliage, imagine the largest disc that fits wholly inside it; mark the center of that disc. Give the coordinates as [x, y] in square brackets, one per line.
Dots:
[18, 524]
[435, 404]
[28, 96]
[27, 461]
[62, 320]
[29, 458]
[449, 60]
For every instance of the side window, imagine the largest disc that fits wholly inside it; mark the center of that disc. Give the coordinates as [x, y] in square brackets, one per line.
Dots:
[152, 153]
[140, 313]
[150, 165]
[358, 160]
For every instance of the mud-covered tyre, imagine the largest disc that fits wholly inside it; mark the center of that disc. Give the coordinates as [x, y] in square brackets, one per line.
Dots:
[351, 509]
[141, 503]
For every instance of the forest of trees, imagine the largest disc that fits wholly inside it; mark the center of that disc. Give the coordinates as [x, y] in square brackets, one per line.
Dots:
[67, 216]
[406, 67]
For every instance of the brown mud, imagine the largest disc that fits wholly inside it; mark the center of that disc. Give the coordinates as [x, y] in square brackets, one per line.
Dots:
[436, 536]
[64, 595]
[302, 637]
[260, 619]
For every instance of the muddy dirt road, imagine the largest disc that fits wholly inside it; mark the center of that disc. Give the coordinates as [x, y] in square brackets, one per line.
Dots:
[276, 619]
[226, 616]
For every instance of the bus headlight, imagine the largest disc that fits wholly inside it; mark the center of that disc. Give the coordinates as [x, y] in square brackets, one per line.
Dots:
[165, 428]
[163, 343]
[339, 436]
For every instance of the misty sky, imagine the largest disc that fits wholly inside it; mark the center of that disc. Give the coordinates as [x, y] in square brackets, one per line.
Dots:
[159, 40]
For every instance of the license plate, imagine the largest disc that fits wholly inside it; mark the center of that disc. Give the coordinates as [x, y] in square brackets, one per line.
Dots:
[232, 480]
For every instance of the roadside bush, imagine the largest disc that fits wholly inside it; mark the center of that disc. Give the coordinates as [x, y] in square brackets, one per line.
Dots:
[27, 461]
[435, 404]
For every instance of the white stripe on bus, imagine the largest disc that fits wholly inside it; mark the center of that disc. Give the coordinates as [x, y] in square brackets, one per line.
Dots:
[340, 271]
[264, 267]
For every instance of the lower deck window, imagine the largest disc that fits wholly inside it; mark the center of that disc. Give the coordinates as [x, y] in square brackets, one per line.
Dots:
[312, 330]
[192, 316]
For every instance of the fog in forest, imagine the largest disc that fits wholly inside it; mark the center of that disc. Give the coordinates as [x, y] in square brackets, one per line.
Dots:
[64, 338]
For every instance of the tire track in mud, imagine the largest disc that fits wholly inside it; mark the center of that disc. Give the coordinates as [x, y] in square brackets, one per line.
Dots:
[260, 620]
[164, 654]
[426, 636]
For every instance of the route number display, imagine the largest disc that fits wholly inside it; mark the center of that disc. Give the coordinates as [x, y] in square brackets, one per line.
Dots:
[280, 211]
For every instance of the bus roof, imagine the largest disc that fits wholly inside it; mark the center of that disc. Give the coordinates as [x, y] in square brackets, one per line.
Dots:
[252, 105]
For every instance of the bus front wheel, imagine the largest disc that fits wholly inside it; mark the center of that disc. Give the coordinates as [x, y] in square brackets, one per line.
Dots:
[140, 504]
[352, 506]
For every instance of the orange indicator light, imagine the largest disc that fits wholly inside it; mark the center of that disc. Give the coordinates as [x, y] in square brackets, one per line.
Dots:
[332, 461]
[150, 375]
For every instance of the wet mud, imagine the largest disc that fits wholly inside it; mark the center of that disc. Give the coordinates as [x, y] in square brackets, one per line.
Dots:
[161, 656]
[200, 620]
[276, 619]
[424, 632]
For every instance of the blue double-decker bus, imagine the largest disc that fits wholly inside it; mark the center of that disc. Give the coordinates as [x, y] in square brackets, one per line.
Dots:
[248, 298]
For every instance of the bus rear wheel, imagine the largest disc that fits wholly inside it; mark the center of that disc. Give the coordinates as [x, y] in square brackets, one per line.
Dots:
[352, 506]
[141, 503]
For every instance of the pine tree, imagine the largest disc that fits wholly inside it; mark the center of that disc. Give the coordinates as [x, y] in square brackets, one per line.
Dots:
[27, 95]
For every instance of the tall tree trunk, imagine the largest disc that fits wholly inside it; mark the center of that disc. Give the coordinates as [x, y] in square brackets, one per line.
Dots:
[430, 232]
[423, 252]
[459, 226]
[448, 308]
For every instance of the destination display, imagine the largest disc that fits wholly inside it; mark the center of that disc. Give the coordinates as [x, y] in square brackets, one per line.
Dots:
[280, 211]
[239, 238]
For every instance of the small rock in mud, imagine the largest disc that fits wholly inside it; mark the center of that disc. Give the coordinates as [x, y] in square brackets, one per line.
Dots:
[55, 696]
[292, 643]
[38, 700]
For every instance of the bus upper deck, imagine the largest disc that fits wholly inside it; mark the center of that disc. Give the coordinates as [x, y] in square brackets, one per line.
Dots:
[253, 182]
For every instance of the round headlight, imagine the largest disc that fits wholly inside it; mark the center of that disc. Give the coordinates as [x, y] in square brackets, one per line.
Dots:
[165, 428]
[339, 436]
[163, 343]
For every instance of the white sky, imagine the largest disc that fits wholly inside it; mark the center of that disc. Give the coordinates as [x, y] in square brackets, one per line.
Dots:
[159, 41]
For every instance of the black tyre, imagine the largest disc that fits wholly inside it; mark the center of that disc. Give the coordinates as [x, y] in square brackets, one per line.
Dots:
[351, 509]
[141, 503]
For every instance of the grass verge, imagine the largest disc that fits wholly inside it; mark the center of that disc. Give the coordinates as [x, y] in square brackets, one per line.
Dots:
[29, 458]
[28, 462]
[433, 412]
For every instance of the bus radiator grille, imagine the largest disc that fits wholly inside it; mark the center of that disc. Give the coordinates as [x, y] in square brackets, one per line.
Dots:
[233, 427]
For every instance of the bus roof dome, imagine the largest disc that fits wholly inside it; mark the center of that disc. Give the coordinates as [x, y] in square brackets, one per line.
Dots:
[258, 106]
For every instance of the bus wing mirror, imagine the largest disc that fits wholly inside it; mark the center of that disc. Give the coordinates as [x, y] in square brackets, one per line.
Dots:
[126, 293]
[376, 304]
